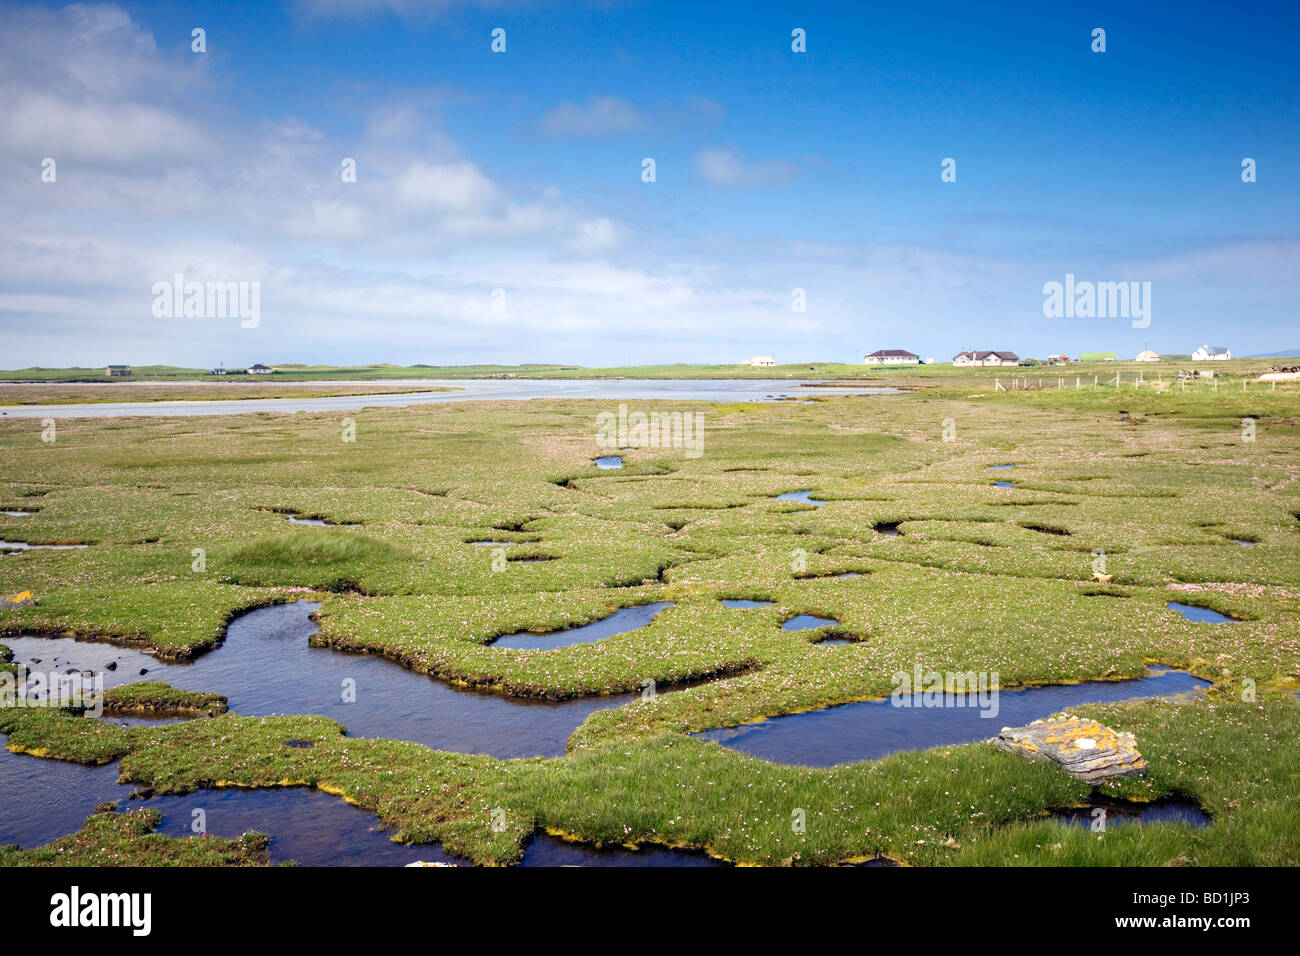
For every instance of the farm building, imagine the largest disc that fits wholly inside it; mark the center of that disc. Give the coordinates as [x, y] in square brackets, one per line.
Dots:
[892, 357]
[1211, 353]
[972, 357]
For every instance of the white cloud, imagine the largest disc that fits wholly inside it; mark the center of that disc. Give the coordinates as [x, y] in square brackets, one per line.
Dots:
[599, 116]
[406, 9]
[451, 187]
[401, 264]
[726, 169]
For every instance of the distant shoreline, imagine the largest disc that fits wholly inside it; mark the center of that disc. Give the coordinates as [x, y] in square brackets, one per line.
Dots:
[324, 375]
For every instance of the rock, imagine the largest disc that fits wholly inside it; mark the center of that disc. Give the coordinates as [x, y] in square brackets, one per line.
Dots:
[1084, 749]
[111, 665]
[21, 599]
[1101, 578]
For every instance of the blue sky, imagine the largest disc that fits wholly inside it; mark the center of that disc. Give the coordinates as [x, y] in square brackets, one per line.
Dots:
[521, 172]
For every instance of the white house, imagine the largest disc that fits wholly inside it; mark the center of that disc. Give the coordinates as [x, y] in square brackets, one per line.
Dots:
[762, 361]
[1211, 353]
[974, 358]
[892, 357]
[1146, 355]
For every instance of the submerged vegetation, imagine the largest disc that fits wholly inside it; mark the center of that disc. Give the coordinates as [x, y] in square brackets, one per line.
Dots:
[1066, 576]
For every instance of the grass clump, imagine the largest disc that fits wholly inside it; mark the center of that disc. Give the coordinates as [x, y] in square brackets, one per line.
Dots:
[109, 838]
[328, 559]
[157, 699]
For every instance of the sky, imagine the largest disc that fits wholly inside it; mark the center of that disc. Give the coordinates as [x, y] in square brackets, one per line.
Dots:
[500, 211]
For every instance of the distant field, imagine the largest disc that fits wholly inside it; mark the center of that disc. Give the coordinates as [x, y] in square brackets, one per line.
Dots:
[1186, 502]
[937, 374]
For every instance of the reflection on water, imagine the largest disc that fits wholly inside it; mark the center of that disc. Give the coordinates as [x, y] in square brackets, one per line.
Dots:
[806, 622]
[306, 826]
[868, 730]
[1202, 615]
[24, 546]
[805, 496]
[41, 800]
[546, 850]
[620, 622]
[266, 666]
[705, 390]
[1120, 812]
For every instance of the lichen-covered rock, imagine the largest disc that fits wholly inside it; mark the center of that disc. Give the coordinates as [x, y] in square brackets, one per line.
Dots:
[1085, 749]
[22, 599]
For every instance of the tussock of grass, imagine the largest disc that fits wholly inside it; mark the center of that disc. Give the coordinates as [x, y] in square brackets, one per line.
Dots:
[327, 559]
[109, 838]
[317, 548]
[157, 699]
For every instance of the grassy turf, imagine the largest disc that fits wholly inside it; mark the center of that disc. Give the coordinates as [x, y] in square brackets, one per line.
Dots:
[969, 804]
[980, 578]
[110, 838]
[157, 699]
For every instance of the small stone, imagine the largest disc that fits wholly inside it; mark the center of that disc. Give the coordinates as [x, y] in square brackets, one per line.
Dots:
[1084, 749]
[21, 599]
